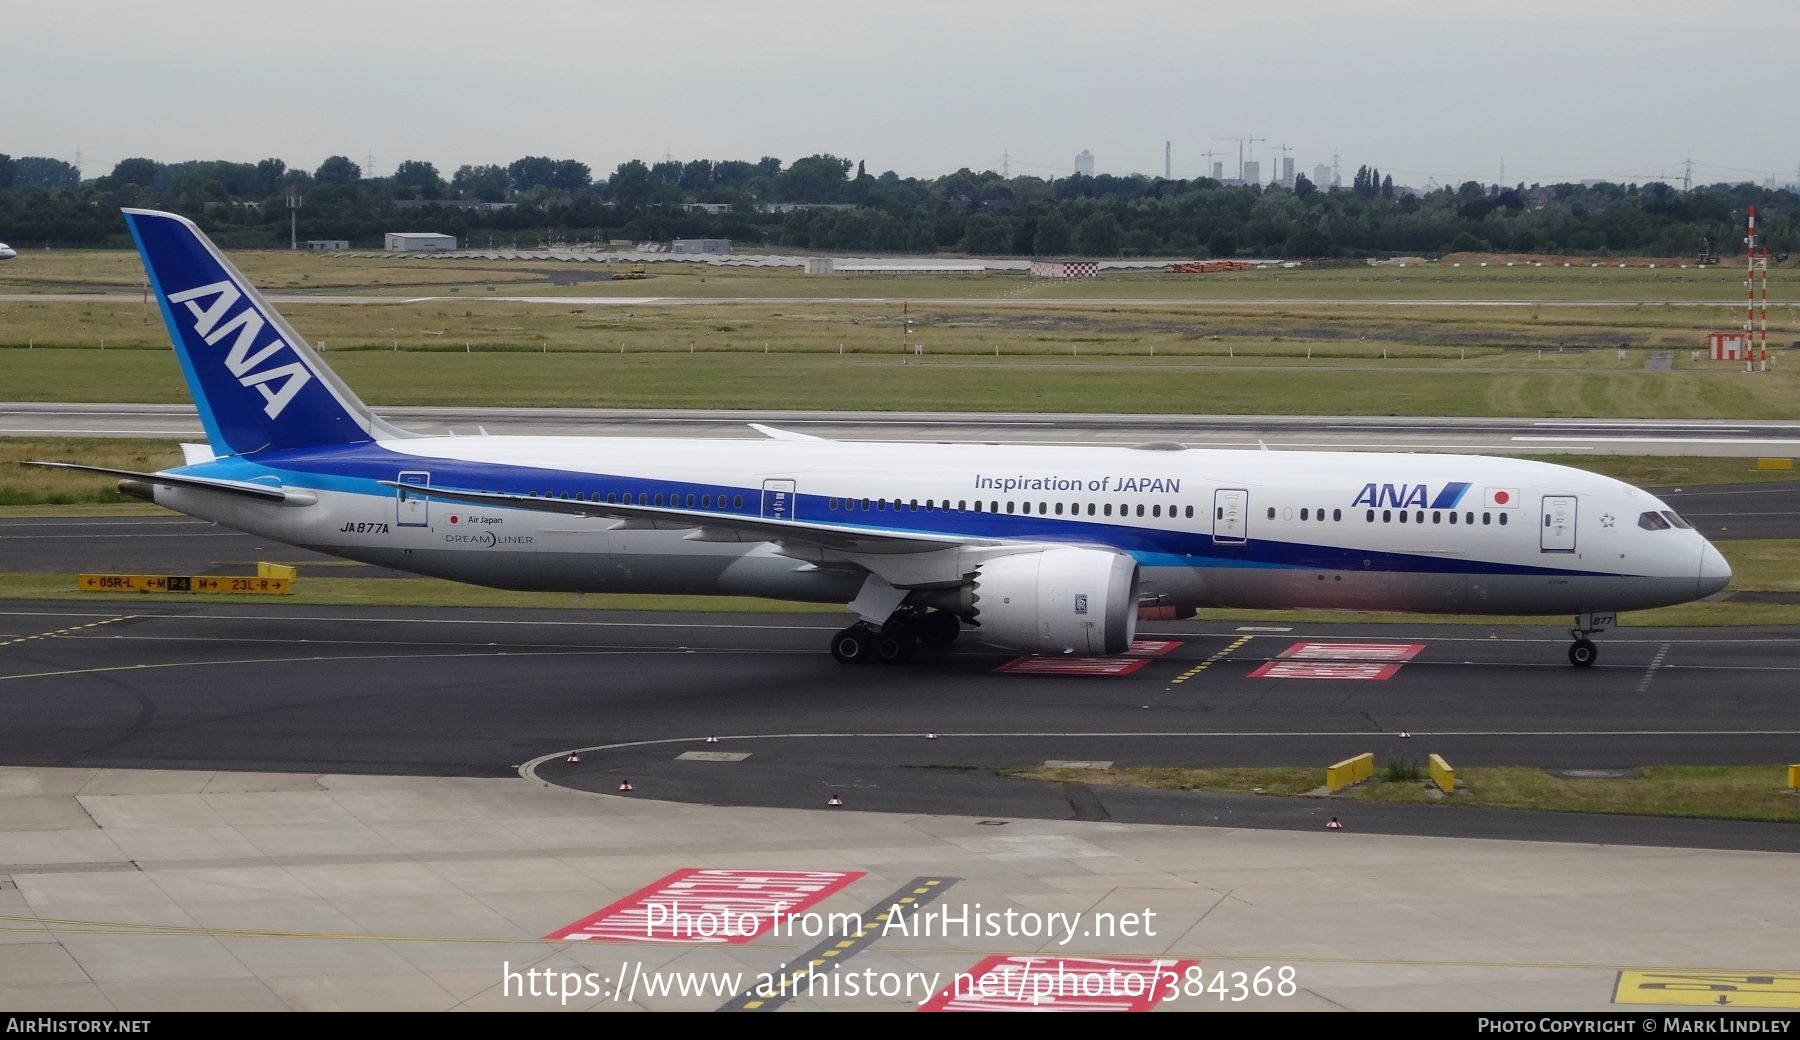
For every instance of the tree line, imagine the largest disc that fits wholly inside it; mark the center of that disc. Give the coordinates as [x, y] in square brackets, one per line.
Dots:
[828, 203]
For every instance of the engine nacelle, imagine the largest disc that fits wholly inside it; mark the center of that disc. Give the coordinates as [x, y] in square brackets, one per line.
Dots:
[1058, 601]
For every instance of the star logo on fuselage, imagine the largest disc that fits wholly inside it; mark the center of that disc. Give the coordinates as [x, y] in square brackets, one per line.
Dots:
[1606, 519]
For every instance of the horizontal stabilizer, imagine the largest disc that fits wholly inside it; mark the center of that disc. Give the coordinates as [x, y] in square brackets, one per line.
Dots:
[230, 487]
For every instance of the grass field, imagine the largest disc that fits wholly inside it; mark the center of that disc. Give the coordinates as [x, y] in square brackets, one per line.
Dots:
[1718, 792]
[1556, 386]
[1327, 344]
[282, 270]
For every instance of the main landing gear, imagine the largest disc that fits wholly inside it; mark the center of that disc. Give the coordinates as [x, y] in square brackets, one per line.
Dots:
[894, 641]
[1583, 653]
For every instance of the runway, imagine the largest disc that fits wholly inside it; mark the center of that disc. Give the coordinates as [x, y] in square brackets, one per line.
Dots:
[480, 693]
[1490, 436]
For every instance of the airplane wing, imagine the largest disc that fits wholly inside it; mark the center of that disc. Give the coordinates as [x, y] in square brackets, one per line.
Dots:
[776, 434]
[231, 487]
[715, 527]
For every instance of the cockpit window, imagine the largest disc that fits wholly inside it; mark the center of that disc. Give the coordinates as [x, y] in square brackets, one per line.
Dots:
[1675, 518]
[1653, 521]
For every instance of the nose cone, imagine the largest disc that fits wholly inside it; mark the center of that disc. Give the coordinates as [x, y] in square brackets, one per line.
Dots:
[1714, 571]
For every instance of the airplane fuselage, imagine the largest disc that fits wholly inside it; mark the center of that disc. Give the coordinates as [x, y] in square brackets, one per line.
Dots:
[1207, 528]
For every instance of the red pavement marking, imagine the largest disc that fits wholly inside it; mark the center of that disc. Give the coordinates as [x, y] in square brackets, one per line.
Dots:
[1141, 653]
[705, 906]
[1325, 670]
[1353, 651]
[1039, 983]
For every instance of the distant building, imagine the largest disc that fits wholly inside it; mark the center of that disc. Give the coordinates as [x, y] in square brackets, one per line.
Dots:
[418, 242]
[1287, 171]
[327, 244]
[1321, 177]
[1084, 163]
[1218, 173]
[1252, 172]
[700, 245]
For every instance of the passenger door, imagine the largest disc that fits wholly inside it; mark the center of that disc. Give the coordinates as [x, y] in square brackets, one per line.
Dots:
[412, 509]
[1556, 529]
[1231, 507]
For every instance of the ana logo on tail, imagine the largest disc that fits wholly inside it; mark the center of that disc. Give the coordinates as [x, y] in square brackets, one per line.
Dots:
[278, 384]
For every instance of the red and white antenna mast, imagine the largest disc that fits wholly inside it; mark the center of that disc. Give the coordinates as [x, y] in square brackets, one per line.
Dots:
[1756, 278]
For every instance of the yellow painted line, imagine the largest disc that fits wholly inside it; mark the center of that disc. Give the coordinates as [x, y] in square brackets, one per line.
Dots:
[66, 631]
[1709, 988]
[1214, 659]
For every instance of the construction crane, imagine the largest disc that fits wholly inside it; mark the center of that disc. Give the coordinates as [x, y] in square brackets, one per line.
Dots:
[1242, 141]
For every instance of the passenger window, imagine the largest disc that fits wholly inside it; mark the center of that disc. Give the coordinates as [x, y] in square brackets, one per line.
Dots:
[658, 500]
[1387, 516]
[1009, 507]
[1109, 510]
[1502, 519]
[1304, 512]
[1486, 519]
[737, 502]
[1437, 517]
[1090, 509]
[1337, 515]
[1469, 517]
[1140, 509]
[1156, 510]
[1190, 512]
[1453, 516]
[690, 501]
[1403, 516]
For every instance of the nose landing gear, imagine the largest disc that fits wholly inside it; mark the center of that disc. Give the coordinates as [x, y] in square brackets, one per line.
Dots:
[1583, 653]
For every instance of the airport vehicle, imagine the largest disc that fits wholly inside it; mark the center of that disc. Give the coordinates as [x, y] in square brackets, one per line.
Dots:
[1034, 549]
[7, 252]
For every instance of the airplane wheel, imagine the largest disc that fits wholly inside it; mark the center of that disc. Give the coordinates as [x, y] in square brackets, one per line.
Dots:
[853, 645]
[895, 643]
[1583, 652]
[940, 628]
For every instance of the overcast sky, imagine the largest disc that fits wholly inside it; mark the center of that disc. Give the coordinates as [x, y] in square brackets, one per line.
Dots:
[1556, 89]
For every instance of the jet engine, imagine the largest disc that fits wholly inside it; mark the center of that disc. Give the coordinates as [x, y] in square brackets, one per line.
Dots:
[1058, 601]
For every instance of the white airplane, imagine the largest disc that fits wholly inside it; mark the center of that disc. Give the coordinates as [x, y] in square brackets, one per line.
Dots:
[1033, 549]
[7, 252]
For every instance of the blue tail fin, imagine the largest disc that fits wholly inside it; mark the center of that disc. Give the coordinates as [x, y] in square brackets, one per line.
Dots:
[257, 384]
